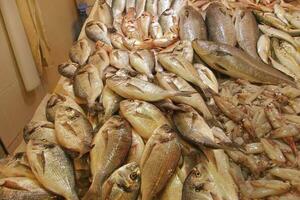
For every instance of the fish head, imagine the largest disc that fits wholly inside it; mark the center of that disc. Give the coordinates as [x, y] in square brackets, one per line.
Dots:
[205, 48]
[131, 105]
[33, 126]
[67, 69]
[54, 101]
[129, 177]
[164, 134]
[66, 113]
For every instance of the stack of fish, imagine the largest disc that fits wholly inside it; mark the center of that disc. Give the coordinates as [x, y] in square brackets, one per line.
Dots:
[143, 115]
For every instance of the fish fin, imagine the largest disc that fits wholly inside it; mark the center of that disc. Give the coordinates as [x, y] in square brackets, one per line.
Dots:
[129, 85]
[41, 160]
[13, 185]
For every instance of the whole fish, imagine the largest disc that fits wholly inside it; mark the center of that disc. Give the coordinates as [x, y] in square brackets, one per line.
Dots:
[80, 52]
[219, 25]
[155, 30]
[168, 20]
[67, 69]
[23, 188]
[151, 7]
[207, 77]
[264, 48]
[170, 81]
[140, 7]
[280, 13]
[52, 168]
[118, 6]
[105, 14]
[236, 63]
[286, 59]
[247, 32]
[73, 130]
[136, 149]
[111, 147]
[40, 130]
[143, 62]
[143, 116]
[163, 5]
[144, 23]
[293, 18]
[96, 30]
[119, 59]
[271, 20]
[191, 24]
[99, 59]
[16, 166]
[123, 184]
[193, 186]
[56, 101]
[110, 101]
[193, 128]
[180, 66]
[135, 88]
[88, 84]
[272, 32]
[159, 161]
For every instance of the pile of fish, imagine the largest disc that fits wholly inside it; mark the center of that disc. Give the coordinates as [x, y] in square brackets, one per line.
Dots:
[162, 100]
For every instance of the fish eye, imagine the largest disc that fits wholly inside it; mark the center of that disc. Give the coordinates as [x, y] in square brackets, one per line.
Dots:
[198, 188]
[133, 176]
[197, 174]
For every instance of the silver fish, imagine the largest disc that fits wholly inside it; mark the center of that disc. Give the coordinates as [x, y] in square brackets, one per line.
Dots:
[247, 32]
[168, 20]
[23, 188]
[143, 116]
[111, 147]
[129, 4]
[151, 7]
[80, 52]
[52, 168]
[67, 69]
[73, 130]
[144, 23]
[57, 100]
[118, 6]
[140, 7]
[264, 48]
[177, 5]
[41, 130]
[191, 24]
[163, 5]
[123, 184]
[159, 161]
[96, 30]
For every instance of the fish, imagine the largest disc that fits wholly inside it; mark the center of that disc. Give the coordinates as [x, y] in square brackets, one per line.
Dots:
[140, 7]
[73, 130]
[100, 60]
[80, 52]
[105, 14]
[144, 117]
[52, 168]
[173, 190]
[159, 161]
[144, 22]
[163, 5]
[119, 59]
[191, 24]
[170, 81]
[183, 48]
[23, 188]
[168, 20]
[111, 147]
[143, 62]
[155, 30]
[247, 32]
[67, 69]
[264, 48]
[110, 101]
[180, 66]
[280, 13]
[238, 64]
[96, 30]
[136, 149]
[41, 130]
[55, 101]
[118, 6]
[88, 84]
[82, 174]
[286, 59]
[193, 128]
[193, 186]
[117, 41]
[207, 77]
[272, 32]
[270, 19]
[177, 5]
[151, 7]
[282, 68]
[135, 88]
[16, 166]
[220, 27]
[124, 183]
[129, 4]
[291, 50]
